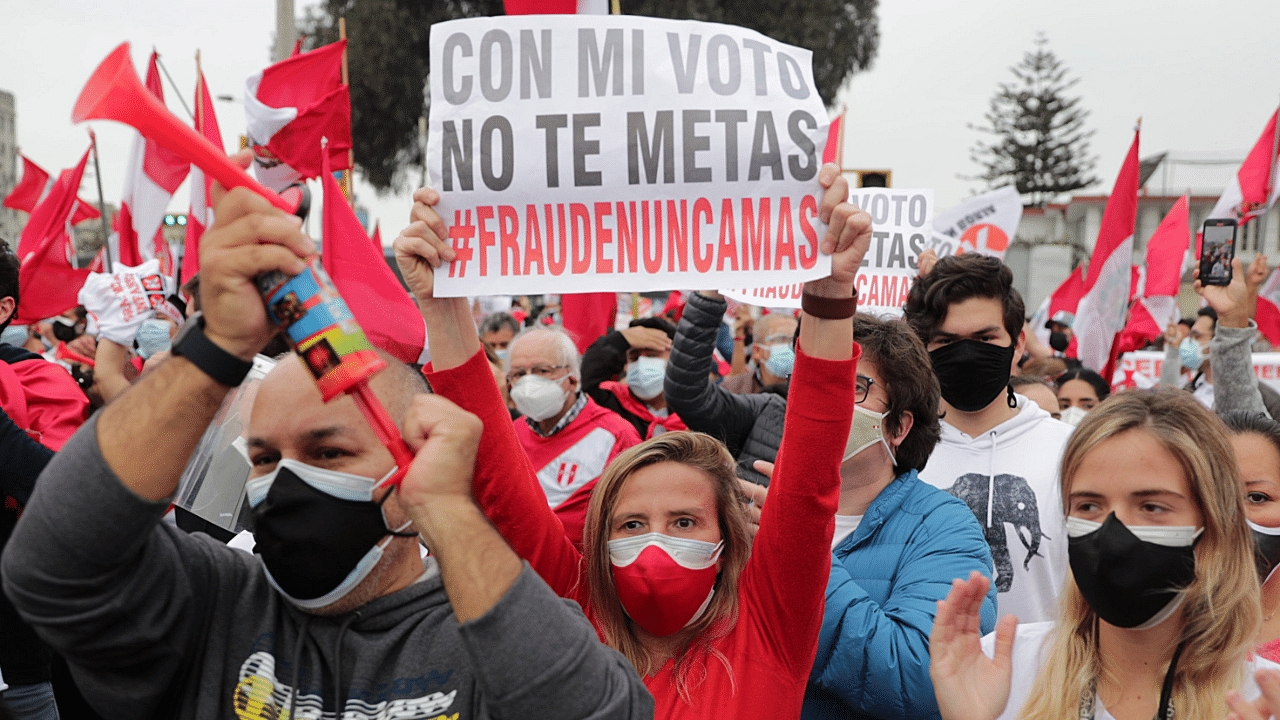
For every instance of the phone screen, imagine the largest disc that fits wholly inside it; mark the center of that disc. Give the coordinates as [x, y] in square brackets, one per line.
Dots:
[1217, 251]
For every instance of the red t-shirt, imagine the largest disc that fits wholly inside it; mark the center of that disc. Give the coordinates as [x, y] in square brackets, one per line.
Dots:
[781, 591]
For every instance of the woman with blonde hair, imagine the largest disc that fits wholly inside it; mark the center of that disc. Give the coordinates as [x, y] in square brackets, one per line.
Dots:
[1161, 607]
[717, 626]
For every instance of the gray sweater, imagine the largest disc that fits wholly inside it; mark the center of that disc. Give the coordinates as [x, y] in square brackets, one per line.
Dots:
[158, 623]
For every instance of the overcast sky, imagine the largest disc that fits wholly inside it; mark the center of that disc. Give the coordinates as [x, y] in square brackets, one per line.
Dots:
[1203, 76]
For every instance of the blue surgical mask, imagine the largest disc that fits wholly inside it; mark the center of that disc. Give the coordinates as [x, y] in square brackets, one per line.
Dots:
[782, 358]
[1192, 353]
[153, 337]
[645, 377]
[14, 335]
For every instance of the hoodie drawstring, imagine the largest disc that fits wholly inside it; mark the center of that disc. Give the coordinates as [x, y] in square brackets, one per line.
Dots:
[991, 478]
[297, 662]
[339, 703]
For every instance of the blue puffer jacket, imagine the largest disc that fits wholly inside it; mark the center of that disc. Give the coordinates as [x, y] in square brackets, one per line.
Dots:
[873, 653]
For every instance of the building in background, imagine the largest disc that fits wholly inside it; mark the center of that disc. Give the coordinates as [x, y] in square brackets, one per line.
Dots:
[1053, 240]
[11, 221]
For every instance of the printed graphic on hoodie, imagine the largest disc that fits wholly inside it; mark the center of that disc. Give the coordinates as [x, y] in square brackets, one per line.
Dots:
[260, 696]
[1014, 504]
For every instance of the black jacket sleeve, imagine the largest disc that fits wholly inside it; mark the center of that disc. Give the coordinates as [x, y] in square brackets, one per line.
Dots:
[701, 405]
[22, 458]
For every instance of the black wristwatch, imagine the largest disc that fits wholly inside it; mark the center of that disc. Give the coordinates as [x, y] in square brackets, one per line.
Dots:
[192, 344]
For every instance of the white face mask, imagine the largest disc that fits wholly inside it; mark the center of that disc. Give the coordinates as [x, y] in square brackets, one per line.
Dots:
[1166, 535]
[645, 377]
[537, 397]
[688, 553]
[866, 430]
[1073, 415]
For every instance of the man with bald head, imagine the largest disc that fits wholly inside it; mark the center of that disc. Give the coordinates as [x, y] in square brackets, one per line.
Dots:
[569, 439]
[337, 616]
[772, 355]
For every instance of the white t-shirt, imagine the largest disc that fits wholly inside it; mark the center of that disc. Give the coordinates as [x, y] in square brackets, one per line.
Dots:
[845, 525]
[1030, 647]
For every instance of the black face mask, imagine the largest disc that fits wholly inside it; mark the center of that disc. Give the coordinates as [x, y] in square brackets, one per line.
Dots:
[1126, 580]
[65, 330]
[309, 540]
[1266, 543]
[972, 373]
[1058, 341]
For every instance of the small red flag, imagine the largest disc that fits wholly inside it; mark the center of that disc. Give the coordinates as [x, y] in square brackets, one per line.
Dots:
[48, 281]
[390, 317]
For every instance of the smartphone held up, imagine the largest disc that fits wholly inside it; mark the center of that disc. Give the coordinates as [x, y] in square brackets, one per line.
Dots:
[1217, 250]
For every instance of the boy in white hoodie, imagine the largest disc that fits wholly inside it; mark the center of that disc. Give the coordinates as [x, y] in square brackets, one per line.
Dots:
[999, 452]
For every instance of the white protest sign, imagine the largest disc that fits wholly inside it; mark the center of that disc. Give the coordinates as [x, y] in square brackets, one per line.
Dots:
[984, 224]
[901, 221]
[1141, 369]
[584, 154]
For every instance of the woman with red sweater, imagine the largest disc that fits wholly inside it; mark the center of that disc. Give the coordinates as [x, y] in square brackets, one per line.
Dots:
[716, 626]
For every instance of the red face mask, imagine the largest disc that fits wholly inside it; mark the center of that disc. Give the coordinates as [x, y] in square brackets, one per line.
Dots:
[664, 583]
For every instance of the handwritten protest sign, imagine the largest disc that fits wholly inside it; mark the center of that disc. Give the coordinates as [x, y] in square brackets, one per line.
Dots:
[901, 222]
[1141, 369]
[581, 154]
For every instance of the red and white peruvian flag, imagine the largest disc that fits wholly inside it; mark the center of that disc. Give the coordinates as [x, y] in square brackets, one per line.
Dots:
[201, 214]
[289, 107]
[1065, 299]
[34, 186]
[1252, 190]
[153, 175]
[1166, 254]
[1101, 313]
[1268, 317]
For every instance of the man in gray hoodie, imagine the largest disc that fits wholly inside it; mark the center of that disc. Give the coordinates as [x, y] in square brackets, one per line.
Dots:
[338, 617]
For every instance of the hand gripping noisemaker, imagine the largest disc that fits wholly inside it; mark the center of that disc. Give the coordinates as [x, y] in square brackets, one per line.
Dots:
[314, 317]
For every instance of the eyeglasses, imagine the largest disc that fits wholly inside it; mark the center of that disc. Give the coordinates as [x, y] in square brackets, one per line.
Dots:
[862, 387]
[545, 371]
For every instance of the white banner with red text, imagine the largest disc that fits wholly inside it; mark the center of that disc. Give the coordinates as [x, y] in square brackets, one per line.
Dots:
[1141, 369]
[901, 223]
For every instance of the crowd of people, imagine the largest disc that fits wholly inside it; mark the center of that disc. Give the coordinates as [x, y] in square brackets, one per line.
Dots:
[711, 512]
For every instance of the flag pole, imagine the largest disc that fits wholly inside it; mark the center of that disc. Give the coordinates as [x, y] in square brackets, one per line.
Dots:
[351, 153]
[1271, 183]
[102, 205]
[172, 84]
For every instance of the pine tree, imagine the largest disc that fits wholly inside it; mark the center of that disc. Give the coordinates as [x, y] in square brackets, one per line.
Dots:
[1039, 142]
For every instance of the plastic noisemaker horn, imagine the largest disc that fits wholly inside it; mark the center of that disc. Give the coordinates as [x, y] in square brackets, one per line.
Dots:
[316, 320]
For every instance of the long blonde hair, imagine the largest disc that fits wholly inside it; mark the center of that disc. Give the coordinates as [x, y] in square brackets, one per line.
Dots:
[701, 452]
[1221, 608]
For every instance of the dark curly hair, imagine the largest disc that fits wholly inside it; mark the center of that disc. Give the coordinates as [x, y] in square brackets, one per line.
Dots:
[8, 280]
[905, 371]
[957, 278]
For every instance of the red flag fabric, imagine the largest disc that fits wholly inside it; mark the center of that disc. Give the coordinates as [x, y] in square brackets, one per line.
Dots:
[289, 107]
[587, 316]
[1268, 317]
[33, 187]
[153, 175]
[556, 7]
[297, 46]
[390, 318]
[51, 215]
[47, 279]
[1252, 190]
[833, 152]
[200, 216]
[377, 237]
[1166, 251]
[1100, 315]
[1064, 299]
